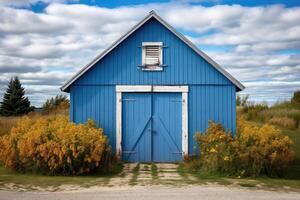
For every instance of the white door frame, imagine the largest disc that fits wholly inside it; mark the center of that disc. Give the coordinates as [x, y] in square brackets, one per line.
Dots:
[151, 88]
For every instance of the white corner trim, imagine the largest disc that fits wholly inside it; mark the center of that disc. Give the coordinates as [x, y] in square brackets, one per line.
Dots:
[150, 88]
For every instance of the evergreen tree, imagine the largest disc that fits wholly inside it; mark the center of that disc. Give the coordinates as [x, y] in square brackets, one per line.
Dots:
[14, 102]
[56, 104]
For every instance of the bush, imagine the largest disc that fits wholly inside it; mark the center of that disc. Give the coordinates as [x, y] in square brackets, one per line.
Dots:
[217, 149]
[53, 145]
[263, 150]
[254, 151]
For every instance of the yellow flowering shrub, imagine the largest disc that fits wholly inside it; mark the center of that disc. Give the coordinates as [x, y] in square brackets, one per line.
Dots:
[53, 145]
[263, 150]
[217, 148]
[254, 151]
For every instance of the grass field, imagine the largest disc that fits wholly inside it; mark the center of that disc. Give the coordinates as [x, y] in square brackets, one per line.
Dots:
[6, 123]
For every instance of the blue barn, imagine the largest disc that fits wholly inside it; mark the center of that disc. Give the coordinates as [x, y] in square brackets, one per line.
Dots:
[151, 91]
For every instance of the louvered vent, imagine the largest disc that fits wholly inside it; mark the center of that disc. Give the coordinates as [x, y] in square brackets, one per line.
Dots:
[152, 55]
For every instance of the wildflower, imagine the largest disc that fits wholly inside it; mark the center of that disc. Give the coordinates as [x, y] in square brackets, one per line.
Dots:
[226, 158]
[213, 150]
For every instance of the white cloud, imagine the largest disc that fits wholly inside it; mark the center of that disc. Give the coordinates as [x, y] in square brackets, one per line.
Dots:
[26, 3]
[40, 46]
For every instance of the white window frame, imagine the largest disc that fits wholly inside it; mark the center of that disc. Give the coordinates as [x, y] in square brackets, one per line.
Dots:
[160, 45]
[150, 88]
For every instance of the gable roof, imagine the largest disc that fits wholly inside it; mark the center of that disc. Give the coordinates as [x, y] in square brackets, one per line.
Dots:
[152, 14]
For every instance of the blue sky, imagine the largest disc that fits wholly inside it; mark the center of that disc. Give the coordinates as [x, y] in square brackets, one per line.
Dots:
[116, 3]
[45, 42]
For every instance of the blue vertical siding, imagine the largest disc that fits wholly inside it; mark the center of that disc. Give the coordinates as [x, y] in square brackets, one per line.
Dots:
[183, 65]
[206, 103]
[97, 103]
[211, 94]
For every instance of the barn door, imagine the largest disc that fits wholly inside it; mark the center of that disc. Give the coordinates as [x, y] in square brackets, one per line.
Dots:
[151, 127]
[136, 127]
[167, 127]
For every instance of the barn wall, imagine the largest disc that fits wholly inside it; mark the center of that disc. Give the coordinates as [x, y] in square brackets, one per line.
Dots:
[97, 103]
[183, 65]
[211, 95]
[217, 103]
[206, 102]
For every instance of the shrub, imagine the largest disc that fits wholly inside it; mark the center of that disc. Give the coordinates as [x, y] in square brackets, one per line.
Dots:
[263, 150]
[53, 145]
[254, 151]
[217, 149]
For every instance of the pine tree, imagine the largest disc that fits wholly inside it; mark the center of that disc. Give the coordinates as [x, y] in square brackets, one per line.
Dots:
[14, 101]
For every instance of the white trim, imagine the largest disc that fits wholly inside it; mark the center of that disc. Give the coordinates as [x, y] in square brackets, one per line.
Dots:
[158, 68]
[185, 124]
[133, 88]
[152, 44]
[160, 58]
[119, 124]
[151, 88]
[168, 26]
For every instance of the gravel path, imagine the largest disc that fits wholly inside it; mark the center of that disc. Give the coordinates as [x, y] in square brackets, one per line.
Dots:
[154, 192]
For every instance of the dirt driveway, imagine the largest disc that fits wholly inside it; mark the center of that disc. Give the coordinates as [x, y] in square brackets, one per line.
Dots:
[154, 192]
[148, 181]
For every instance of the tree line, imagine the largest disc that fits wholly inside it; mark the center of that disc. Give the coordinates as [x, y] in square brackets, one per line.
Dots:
[15, 103]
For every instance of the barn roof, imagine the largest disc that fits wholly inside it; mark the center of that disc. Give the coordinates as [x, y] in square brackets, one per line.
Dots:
[151, 15]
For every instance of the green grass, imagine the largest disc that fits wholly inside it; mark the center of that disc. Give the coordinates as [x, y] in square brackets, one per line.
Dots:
[203, 177]
[135, 171]
[154, 171]
[30, 180]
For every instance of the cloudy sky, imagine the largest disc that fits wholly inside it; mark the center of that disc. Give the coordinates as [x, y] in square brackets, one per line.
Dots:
[45, 42]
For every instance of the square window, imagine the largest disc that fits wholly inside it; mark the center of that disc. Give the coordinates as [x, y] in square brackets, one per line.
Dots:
[152, 56]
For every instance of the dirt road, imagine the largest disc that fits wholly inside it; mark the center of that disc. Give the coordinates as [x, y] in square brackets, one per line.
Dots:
[154, 193]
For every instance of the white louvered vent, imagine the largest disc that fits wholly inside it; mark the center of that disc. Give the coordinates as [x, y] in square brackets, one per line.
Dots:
[152, 55]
